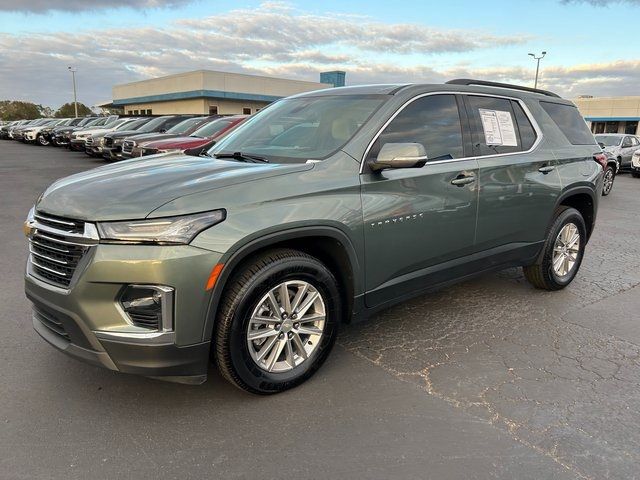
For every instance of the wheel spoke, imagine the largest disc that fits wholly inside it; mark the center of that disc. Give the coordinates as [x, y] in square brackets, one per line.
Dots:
[266, 348]
[299, 346]
[557, 263]
[265, 320]
[299, 296]
[311, 318]
[262, 333]
[274, 305]
[310, 330]
[574, 240]
[275, 354]
[284, 298]
[311, 297]
[289, 353]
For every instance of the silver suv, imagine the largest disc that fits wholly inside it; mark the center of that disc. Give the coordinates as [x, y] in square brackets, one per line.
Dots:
[620, 146]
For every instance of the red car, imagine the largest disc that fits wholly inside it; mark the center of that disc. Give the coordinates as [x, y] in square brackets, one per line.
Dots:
[205, 134]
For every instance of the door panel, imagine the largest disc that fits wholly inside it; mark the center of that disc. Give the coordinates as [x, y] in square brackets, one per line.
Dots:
[517, 189]
[414, 219]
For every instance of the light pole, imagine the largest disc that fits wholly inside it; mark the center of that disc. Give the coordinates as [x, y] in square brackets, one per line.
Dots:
[75, 98]
[538, 58]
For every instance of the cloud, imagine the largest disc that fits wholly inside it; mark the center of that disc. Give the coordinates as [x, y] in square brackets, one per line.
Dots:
[44, 6]
[274, 39]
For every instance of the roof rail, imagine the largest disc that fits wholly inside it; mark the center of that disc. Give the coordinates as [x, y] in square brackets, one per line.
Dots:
[484, 83]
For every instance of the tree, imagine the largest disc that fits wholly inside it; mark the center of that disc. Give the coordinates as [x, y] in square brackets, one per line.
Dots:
[67, 110]
[17, 110]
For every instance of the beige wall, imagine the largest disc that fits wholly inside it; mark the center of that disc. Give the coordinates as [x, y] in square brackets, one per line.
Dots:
[609, 106]
[211, 80]
[194, 106]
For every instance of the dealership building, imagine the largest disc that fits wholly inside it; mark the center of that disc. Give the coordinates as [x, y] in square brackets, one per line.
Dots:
[209, 92]
[610, 114]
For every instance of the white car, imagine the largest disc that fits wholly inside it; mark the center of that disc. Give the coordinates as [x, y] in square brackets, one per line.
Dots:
[31, 133]
[635, 164]
[619, 145]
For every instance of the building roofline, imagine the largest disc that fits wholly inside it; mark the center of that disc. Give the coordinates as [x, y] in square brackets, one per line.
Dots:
[217, 94]
[204, 71]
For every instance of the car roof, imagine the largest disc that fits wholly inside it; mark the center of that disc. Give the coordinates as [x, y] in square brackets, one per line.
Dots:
[411, 89]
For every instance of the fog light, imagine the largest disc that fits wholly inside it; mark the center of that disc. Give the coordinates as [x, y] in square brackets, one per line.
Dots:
[149, 306]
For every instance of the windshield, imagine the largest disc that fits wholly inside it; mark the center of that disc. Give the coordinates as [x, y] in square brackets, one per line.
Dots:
[303, 128]
[82, 123]
[132, 124]
[212, 128]
[152, 125]
[609, 140]
[186, 126]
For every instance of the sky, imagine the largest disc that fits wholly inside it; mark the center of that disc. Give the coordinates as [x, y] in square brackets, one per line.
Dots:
[592, 45]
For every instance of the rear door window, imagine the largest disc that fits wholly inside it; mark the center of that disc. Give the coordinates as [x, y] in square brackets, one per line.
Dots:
[494, 125]
[433, 121]
[570, 123]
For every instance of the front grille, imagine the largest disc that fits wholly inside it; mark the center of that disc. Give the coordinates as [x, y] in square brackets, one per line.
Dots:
[55, 249]
[127, 146]
[145, 320]
[51, 323]
[89, 141]
[59, 223]
[108, 142]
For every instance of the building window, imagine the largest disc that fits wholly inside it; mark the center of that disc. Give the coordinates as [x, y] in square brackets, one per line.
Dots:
[130, 112]
[149, 112]
[611, 127]
[246, 111]
[631, 128]
[213, 110]
[135, 112]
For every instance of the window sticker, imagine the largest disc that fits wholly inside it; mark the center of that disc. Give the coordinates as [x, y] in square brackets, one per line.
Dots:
[498, 128]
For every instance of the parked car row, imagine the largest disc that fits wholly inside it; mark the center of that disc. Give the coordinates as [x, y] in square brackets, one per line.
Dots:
[117, 138]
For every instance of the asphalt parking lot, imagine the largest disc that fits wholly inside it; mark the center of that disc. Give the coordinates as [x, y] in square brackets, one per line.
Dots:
[486, 379]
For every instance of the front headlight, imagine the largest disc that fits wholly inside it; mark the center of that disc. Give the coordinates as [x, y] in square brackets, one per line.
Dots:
[118, 141]
[168, 230]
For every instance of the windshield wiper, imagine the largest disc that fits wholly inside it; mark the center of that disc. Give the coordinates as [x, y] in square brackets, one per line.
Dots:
[243, 157]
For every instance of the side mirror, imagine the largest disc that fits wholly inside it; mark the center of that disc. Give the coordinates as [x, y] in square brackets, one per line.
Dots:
[399, 155]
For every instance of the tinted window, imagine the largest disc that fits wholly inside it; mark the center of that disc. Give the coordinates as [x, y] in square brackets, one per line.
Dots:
[493, 126]
[186, 125]
[570, 122]
[433, 121]
[528, 135]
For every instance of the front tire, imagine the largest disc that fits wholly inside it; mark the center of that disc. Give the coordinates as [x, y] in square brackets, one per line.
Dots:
[635, 174]
[609, 177]
[42, 141]
[277, 322]
[563, 252]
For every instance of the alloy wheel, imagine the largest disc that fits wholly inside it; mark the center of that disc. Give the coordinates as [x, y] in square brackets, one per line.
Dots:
[566, 250]
[286, 326]
[608, 181]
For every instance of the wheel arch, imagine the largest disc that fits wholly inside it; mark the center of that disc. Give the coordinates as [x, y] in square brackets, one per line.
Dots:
[584, 200]
[329, 244]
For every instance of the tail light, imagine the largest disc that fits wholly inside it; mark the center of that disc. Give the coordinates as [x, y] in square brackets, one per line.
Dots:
[601, 158]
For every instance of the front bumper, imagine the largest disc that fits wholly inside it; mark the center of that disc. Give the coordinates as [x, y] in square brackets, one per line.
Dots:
[113, 153]
[87, 322]
[77, 143]
[635, 164]
[30, 136]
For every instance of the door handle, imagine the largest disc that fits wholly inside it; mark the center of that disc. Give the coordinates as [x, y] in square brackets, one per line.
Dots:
[546, 169]
[462, 180]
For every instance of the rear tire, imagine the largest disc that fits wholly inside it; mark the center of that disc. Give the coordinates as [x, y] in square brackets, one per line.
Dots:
[254, 305]
[635, 174]
[562, 254]
[609, 177]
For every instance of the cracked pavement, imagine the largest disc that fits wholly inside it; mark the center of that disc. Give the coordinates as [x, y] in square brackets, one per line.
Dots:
[558, 371]
[486, 379]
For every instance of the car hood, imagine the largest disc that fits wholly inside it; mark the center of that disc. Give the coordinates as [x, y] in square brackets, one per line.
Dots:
[121, 133]
[135, 188]
[178, 142]
[150, 137]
